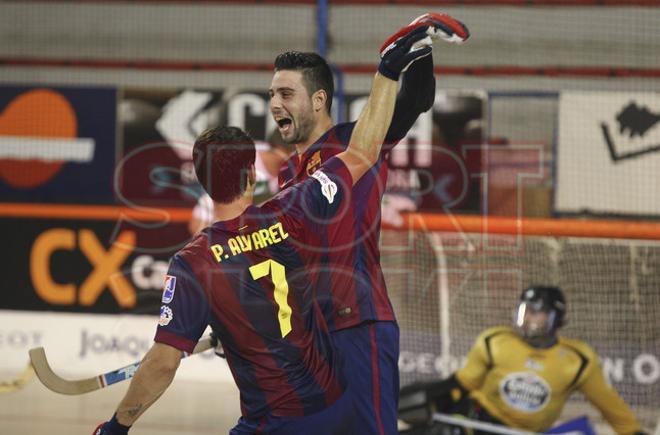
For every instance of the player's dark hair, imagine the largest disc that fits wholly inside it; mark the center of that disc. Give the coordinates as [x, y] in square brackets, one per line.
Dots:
[316, 72]
[222, 157]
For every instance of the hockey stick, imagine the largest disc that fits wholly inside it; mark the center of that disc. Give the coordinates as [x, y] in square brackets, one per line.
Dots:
[18, 382]
[474, 424]
[65, 386]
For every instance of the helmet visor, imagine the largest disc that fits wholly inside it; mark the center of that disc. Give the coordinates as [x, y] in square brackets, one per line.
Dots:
[533, 319]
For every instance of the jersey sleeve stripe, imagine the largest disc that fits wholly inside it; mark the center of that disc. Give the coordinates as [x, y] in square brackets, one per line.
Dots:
[176, 341]
[488, 350]
[583, 365]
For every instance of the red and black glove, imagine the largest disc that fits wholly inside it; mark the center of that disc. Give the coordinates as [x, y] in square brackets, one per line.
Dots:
[111, 427]
[443, 26]
[414, 41]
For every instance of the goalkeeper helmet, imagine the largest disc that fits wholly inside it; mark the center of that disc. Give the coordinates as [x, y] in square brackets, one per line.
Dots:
[540, 313]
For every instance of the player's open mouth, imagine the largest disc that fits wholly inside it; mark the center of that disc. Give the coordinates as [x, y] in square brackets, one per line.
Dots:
[284, 124]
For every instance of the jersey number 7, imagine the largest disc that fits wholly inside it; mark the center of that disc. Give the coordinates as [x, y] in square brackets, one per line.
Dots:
[281, 291]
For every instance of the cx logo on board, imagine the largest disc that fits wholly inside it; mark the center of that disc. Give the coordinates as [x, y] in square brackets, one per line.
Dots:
[106, 264]
[38, 135]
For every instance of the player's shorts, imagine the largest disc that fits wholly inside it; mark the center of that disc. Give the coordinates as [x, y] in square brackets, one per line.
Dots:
[337, 419]
[370, 356]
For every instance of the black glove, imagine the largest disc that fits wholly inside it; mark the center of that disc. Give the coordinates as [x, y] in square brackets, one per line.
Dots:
[417, 401]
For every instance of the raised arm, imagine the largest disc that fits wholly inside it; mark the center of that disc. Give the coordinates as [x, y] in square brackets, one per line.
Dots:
[369, 132]
[417, 92]
[604, 397]
[403, 48]
[408, 45]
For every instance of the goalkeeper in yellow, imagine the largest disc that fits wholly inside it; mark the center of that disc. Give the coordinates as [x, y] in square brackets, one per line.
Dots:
[522, 376]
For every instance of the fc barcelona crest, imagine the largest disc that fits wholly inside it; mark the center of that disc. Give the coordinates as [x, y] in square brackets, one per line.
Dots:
[313, 163]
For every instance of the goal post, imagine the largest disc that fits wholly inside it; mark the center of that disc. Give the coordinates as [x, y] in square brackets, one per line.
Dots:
[451, 277]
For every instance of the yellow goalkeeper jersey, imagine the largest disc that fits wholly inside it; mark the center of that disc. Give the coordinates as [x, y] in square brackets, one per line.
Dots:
[526, 387]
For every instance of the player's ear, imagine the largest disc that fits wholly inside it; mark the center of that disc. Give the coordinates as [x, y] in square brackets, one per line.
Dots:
[252, 176]
[318, 100]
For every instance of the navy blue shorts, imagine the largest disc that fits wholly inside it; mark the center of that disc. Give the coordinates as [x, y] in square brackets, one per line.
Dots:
[370, 356]
[337, 419]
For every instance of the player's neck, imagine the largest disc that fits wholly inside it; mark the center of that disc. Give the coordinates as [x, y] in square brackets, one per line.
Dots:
[322, 125]
[231, 210]
[543, 342]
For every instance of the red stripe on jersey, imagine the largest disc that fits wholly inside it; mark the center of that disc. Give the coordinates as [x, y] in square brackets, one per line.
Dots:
[348, 310]
[176, 341]
[292, 375]
[262, 426]
[327, 377]
[376, 376]
[268, 375]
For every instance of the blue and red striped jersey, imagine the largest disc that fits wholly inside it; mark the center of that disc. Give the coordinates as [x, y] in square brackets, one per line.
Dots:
[253, 280]
[356, 292]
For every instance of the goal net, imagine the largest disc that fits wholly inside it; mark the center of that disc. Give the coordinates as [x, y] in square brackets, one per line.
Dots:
[448, 286]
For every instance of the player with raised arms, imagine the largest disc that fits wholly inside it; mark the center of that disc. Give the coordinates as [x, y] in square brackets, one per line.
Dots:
[251, 277]
[355, 304]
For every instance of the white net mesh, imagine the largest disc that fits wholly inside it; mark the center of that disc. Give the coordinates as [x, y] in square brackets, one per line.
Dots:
[448, 287]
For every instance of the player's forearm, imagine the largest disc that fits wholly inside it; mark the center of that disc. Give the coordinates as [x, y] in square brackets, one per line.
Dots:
[155, 374]
[610, 404]
[374, 121]
[618, 414]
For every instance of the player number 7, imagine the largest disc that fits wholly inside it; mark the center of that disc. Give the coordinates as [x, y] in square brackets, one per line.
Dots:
[281, 292]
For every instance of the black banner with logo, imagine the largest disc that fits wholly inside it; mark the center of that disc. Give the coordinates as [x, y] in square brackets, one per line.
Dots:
[57, 144]
[86, 266]
[435, 168]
